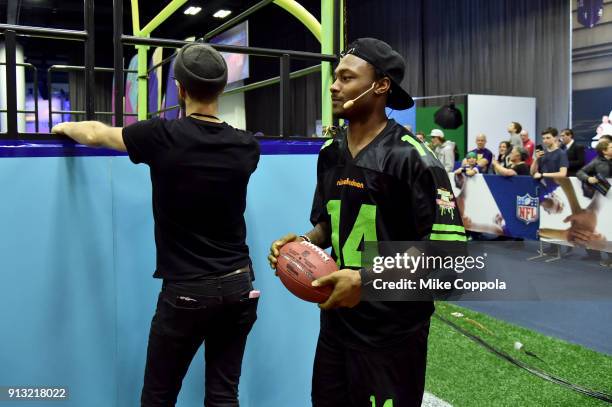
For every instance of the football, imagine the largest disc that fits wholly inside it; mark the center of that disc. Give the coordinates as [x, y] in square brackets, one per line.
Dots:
[299, 264]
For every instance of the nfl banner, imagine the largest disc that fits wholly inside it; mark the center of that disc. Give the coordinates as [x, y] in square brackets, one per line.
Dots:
[503, 206]
[571, 217]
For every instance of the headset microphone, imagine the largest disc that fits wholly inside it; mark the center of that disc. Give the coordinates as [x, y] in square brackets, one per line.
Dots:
[350, 103]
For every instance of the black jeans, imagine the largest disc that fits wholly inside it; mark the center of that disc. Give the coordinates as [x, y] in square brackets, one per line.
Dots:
[216, 311]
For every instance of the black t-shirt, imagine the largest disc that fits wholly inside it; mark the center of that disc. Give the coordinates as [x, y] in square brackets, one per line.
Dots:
[521, 169]
[199, 172]
[395, 189]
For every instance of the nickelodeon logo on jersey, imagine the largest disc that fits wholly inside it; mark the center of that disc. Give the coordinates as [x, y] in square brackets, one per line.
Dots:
[350, 183]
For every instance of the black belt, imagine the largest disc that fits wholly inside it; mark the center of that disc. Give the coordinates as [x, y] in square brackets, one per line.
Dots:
[245, 269]
[210, 290]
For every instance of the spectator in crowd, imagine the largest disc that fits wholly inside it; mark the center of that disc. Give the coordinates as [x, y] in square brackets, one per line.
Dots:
[420, 136]
[469, 166]
[601, 165]
[529, 145]
[551, 163]
[517, 164]
[574, 151]
[444, 149]
[514, 129]
[484, 156]
[550, 166]
[503, 158]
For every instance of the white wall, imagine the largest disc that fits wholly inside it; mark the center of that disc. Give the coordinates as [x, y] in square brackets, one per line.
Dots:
[491, 115]
[20, 89]
[231, 110]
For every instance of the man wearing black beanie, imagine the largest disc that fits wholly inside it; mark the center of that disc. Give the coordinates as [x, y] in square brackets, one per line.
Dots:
[200, 167]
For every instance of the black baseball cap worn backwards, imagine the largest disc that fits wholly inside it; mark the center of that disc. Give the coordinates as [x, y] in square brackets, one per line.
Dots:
[380, 54]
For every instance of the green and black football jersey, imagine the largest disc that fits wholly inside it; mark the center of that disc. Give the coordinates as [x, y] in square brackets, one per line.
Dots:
[395, 189]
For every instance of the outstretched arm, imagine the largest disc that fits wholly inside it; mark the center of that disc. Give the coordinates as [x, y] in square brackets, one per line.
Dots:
[92, 134]
[506, 172]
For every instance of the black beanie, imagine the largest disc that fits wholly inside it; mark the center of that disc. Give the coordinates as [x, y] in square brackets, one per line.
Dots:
[199, 67]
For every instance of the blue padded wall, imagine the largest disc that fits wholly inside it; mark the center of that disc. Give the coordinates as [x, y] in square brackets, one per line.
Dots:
[77, 296]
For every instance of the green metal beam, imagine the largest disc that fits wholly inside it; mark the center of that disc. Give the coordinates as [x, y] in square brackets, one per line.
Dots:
[135, 17]
[162, 16]
[324, 33]
[273, 81]
[142, 50]
[327, 47]
[142, 82]
[342, 44]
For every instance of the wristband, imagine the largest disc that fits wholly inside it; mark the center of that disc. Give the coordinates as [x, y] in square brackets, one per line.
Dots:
[366, 276]
[306, 238]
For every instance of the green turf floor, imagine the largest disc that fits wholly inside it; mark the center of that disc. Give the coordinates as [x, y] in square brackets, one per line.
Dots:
[464, 373]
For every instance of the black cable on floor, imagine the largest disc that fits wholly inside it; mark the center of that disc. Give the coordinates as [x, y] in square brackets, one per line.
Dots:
[534, 371]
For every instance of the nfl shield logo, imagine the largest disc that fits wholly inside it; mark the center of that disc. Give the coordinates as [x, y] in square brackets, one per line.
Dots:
[527, 208]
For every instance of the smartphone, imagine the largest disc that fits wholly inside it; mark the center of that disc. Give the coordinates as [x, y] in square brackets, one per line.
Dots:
[539, 147]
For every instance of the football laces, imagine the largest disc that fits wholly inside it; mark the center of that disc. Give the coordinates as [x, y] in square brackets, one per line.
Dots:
[324, 256]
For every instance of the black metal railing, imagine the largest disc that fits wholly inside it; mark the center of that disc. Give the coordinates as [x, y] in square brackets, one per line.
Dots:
[73, 68]
[86, 36]
[35, 80]
[11, 32]
[285, 57]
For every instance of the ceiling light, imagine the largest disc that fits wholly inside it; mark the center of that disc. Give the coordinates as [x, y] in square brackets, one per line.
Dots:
[222, 13]
[192, 11]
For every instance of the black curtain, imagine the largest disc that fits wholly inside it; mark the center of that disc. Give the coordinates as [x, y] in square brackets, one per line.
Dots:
[276, 28]
[501, 47]
[102, 96]
[399, 23]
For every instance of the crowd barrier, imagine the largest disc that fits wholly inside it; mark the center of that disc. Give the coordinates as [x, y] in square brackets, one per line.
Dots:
[521, 207]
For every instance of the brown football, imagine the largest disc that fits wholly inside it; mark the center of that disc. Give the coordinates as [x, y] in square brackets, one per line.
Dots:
[299, 264]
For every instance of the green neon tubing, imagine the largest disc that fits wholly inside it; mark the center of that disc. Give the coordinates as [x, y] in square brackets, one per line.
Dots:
[162, 16]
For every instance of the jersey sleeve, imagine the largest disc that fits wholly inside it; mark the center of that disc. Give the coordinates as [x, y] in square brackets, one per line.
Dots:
[445, 221]
[145, 140]
[435, 207]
